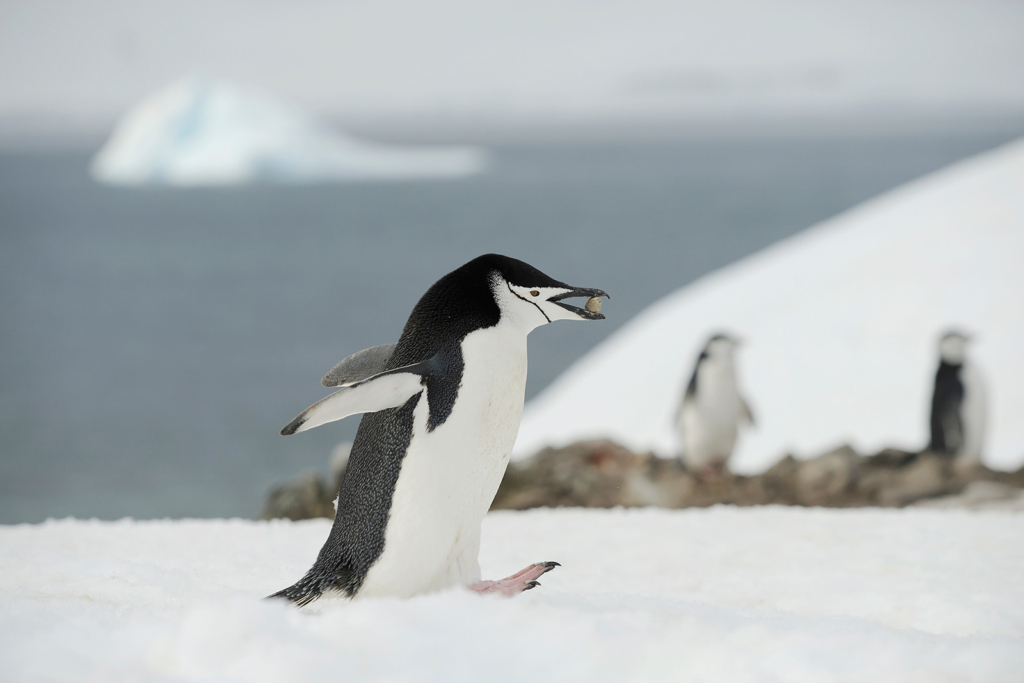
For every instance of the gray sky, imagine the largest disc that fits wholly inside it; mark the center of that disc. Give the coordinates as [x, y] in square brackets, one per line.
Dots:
[532, 60]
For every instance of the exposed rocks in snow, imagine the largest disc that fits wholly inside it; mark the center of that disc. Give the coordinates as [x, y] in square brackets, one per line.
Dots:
[305, 497]
[981, 495]
[593, 474]
[604, 474]
[309, 495]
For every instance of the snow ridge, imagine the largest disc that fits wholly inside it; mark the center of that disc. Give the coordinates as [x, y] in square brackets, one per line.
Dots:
[721, 594]
[840, 324]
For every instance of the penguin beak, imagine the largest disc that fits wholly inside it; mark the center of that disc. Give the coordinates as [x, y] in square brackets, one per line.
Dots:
[577, 292]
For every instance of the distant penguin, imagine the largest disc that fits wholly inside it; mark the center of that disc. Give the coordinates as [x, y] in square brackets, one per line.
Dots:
[958, 402]
[442, 410]
[710, 413]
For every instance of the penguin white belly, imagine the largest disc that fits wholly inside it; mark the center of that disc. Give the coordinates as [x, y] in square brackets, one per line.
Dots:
[972, 414]
[449, 476]
[710, 419]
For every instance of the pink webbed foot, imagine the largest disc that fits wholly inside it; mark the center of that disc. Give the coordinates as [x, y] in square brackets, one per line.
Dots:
[521, 581]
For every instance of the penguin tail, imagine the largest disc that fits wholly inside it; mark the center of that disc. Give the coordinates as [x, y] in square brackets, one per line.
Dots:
[301, 594]
[316, 582]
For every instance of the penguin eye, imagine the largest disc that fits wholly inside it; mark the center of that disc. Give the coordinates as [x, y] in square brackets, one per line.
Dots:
[534, 292]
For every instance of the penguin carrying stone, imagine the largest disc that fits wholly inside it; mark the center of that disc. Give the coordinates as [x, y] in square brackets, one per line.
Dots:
[712, 410]
[441, 414]
[958, 402]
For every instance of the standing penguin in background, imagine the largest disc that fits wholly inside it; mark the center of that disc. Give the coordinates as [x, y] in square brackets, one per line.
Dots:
[711, 410]
[958, 403]
[442, 410]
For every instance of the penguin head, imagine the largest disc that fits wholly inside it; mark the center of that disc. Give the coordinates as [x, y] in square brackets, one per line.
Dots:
[953, 346]
[481, 294]
[531, 298]
[721, 347]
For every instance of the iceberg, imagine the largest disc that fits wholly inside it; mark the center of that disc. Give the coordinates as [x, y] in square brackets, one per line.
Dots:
[199, 132]
[840, 323]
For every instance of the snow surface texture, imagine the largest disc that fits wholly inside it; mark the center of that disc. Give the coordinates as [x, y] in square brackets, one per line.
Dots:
[841, 324]
[720, 594]
[196, 132]
[532, 59]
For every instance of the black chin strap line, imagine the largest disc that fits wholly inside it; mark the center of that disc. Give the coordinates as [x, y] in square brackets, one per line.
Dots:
[527, 301]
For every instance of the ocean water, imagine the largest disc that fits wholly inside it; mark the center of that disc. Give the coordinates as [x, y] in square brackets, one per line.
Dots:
[154, 341]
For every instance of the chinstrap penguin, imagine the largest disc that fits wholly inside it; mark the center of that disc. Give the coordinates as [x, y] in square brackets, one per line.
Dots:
[958, 402]
[711, 410]
[442, 410]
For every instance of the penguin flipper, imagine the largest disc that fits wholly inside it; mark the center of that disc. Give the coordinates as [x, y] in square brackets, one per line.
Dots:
[388, 389]
[359, 366]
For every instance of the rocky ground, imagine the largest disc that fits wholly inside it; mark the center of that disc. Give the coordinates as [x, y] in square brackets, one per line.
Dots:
[603, 474]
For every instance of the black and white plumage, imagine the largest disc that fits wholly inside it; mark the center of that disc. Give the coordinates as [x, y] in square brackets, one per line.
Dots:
[712, 409]
[957, 419]
[442, 410]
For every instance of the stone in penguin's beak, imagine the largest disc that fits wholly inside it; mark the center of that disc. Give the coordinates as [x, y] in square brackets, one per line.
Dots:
[591, 308]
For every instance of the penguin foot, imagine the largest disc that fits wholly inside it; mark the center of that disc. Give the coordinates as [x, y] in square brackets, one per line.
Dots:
[521, 581]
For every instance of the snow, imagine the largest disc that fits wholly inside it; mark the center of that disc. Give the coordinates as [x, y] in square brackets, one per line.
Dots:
[840, 324]
[198, 132]
[721, 594]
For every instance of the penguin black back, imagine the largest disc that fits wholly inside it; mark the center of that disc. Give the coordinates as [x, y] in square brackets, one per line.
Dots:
[691, 386]
[946, 425]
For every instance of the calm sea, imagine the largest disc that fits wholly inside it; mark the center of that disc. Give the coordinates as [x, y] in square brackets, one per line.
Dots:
[153, 341]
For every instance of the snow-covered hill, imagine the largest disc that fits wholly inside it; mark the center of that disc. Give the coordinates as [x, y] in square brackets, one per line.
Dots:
[725, 594]
[198, 132]
[840, 324]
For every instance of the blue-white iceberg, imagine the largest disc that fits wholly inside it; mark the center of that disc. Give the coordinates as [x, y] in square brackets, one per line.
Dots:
[198, 132]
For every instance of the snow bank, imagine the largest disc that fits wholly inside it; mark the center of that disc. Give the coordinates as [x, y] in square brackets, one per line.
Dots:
[204, 133]
[840, 324]
[723, 594]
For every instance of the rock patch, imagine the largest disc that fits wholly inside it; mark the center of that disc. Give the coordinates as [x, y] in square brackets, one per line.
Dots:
[603, 474]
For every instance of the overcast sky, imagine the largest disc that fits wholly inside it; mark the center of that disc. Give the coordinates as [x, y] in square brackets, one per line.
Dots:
[547, 59]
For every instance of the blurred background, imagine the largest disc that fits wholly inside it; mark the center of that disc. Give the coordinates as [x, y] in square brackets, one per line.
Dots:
[280, 182]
